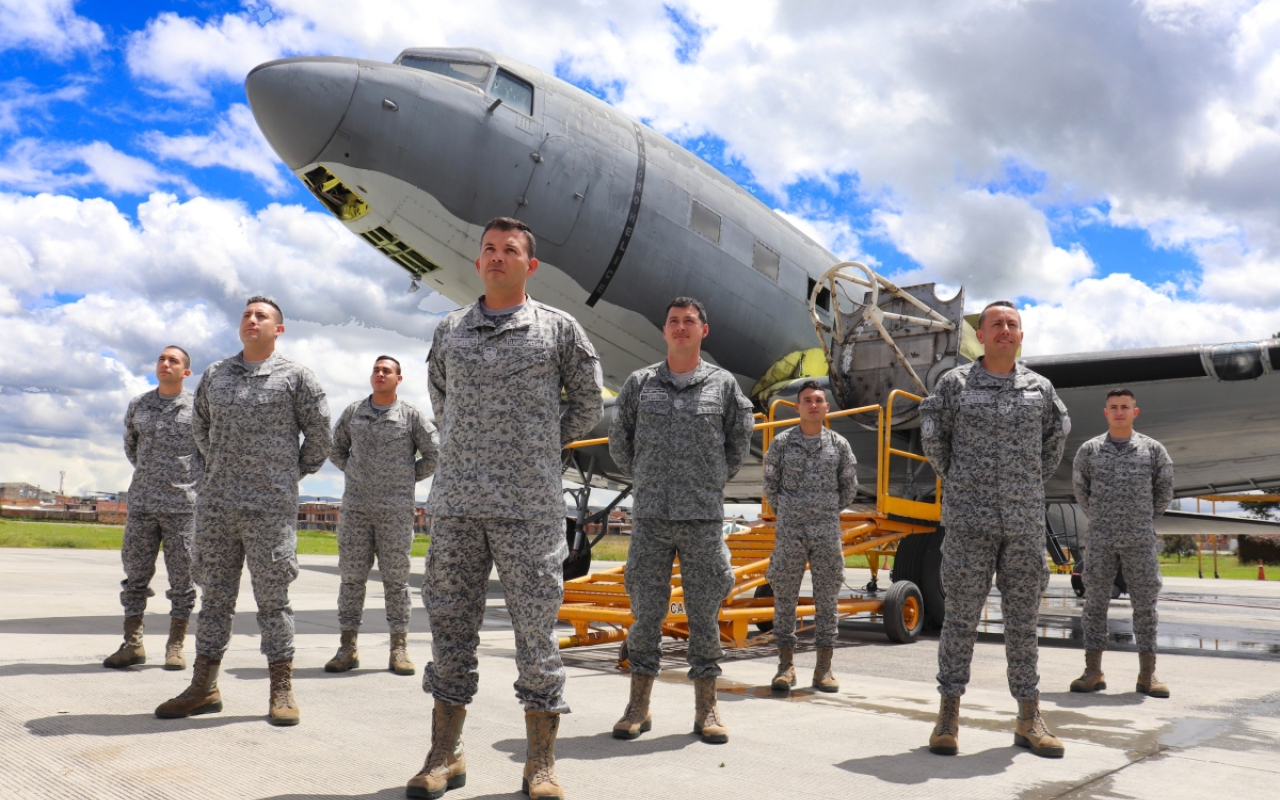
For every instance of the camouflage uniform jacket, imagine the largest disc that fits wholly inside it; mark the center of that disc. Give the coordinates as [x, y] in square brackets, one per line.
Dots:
[994, 440]
[376, 449]
[681, 446]
[162, 449]
[809, 479]
[247, 420]
[1122, 488]
[496, 391]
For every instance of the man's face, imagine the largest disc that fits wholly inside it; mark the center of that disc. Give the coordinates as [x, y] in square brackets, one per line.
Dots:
[812, 405]
[1120, 410]
[684, 328]
[1001, 332]
[258, 324]
[385, 377]
[504, 265]
[170, 366]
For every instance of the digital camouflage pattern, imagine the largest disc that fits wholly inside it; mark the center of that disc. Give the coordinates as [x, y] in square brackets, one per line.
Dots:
[707, 577]
[247, 421]
[1122, 487]
[1140, 561]
[225, 540]
[969, 557]
[160, 444]
[143, 533]
[795, 545]
[680, 445]
[994, 440]
[383, 453]
[496, 389]
[529, 555]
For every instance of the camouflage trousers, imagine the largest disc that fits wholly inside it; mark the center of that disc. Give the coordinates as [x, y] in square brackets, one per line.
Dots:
[529, 555]
[143, 534]
[1140, 562]
[818, 545]
[388, 535]
[225, 540]
[705, 575]
[1016, 556]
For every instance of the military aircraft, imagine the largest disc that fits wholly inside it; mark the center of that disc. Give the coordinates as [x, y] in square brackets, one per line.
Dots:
[414, 156]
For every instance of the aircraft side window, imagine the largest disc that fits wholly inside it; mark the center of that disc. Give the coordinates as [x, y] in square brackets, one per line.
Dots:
[765, 260]
[513, 92]
[823, 300]
[705, 221]
[464, 71]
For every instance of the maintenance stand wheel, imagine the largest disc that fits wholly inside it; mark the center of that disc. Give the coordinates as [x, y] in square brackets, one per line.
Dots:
[1077, 584]
[764, 626]
[903, 612]
[919, 560]
[624, 655]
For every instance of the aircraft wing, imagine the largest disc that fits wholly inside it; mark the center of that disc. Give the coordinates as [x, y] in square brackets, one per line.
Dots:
[1187, 523]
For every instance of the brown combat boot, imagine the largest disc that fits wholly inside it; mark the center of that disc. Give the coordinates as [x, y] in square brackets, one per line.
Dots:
[786, 677]
[540, 759]
[284, 710]
[636, 719]
[1148, 683]
[131, 652]
[446, 766]
[399, 662]
[1092, 680]
[201, 697]
[173, 648]
[347, 657]
[1033, 733]
[945, 739]
[823, 679]
[706, 717]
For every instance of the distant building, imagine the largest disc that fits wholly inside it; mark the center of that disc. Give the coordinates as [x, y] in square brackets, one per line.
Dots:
[318, 515]
[24, 494]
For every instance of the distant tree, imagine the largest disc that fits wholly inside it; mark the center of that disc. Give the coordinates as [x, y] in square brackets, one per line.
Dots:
[1253, 549]
[1263, 509]
[1180, 545]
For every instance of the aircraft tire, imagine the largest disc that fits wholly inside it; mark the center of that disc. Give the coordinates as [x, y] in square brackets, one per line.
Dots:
[919, 560]
[764, 591]
[903, 612]
[575, 567]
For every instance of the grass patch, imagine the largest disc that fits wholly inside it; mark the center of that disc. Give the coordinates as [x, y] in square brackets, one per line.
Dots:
[75, 535]
[1229, 568]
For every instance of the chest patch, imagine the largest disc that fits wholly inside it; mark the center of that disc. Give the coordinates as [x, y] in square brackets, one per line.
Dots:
[971, 397]
[653, 397]
[490, 353]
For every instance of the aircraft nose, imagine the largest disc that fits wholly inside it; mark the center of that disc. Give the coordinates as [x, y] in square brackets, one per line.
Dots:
[299, 102]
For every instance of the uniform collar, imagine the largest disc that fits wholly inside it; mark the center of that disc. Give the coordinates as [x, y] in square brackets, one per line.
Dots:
[366, 409]
[476, 319]
[700, 374]
[264, 368]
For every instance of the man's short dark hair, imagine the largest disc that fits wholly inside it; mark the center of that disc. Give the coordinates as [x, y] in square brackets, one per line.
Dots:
[810, 386]
[686, 302]
[997, 304]
[387, 358]
[511, 224]
[1121, 392]
[259, 298]
[186, 357]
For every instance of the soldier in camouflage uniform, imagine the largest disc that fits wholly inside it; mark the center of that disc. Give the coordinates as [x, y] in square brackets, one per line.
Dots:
[498, 371]
[167, 466]
[810, 476]
[1123, 481]
[375, 443]
[249, 412]
[995, 431]
[681, 429]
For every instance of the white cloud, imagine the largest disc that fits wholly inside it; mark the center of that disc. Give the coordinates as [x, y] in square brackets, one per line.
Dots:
[50, 27]
[41, 165]
[235, 143]
[21, 102]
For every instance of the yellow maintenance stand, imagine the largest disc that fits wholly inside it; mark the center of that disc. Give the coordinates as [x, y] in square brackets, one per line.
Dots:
[599, 609]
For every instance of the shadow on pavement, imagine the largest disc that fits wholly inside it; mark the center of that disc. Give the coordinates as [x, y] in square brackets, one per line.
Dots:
[312, 673]
[910, 767]
[1091, 699]
[385, 794]
[600, 746]
[128, 724]
[93, 667]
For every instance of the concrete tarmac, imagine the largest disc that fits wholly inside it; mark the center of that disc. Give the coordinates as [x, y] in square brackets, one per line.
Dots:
[70, 728]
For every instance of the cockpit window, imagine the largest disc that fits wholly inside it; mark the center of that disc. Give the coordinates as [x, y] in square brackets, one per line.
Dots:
[513, 92]
[465, 71]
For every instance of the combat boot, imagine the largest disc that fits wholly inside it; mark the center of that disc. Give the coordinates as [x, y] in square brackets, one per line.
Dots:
[399, 662]
[823, 679]
[284, 710]
[1092, 680]
[945, 739]
[540, 758]
[131, 652]
[173, 648]
[786, 677]
[446, 766]
[201, 697]
[1033, 733]
[636, 719]
[347, 657]
[706, 717]
[1148, 683]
